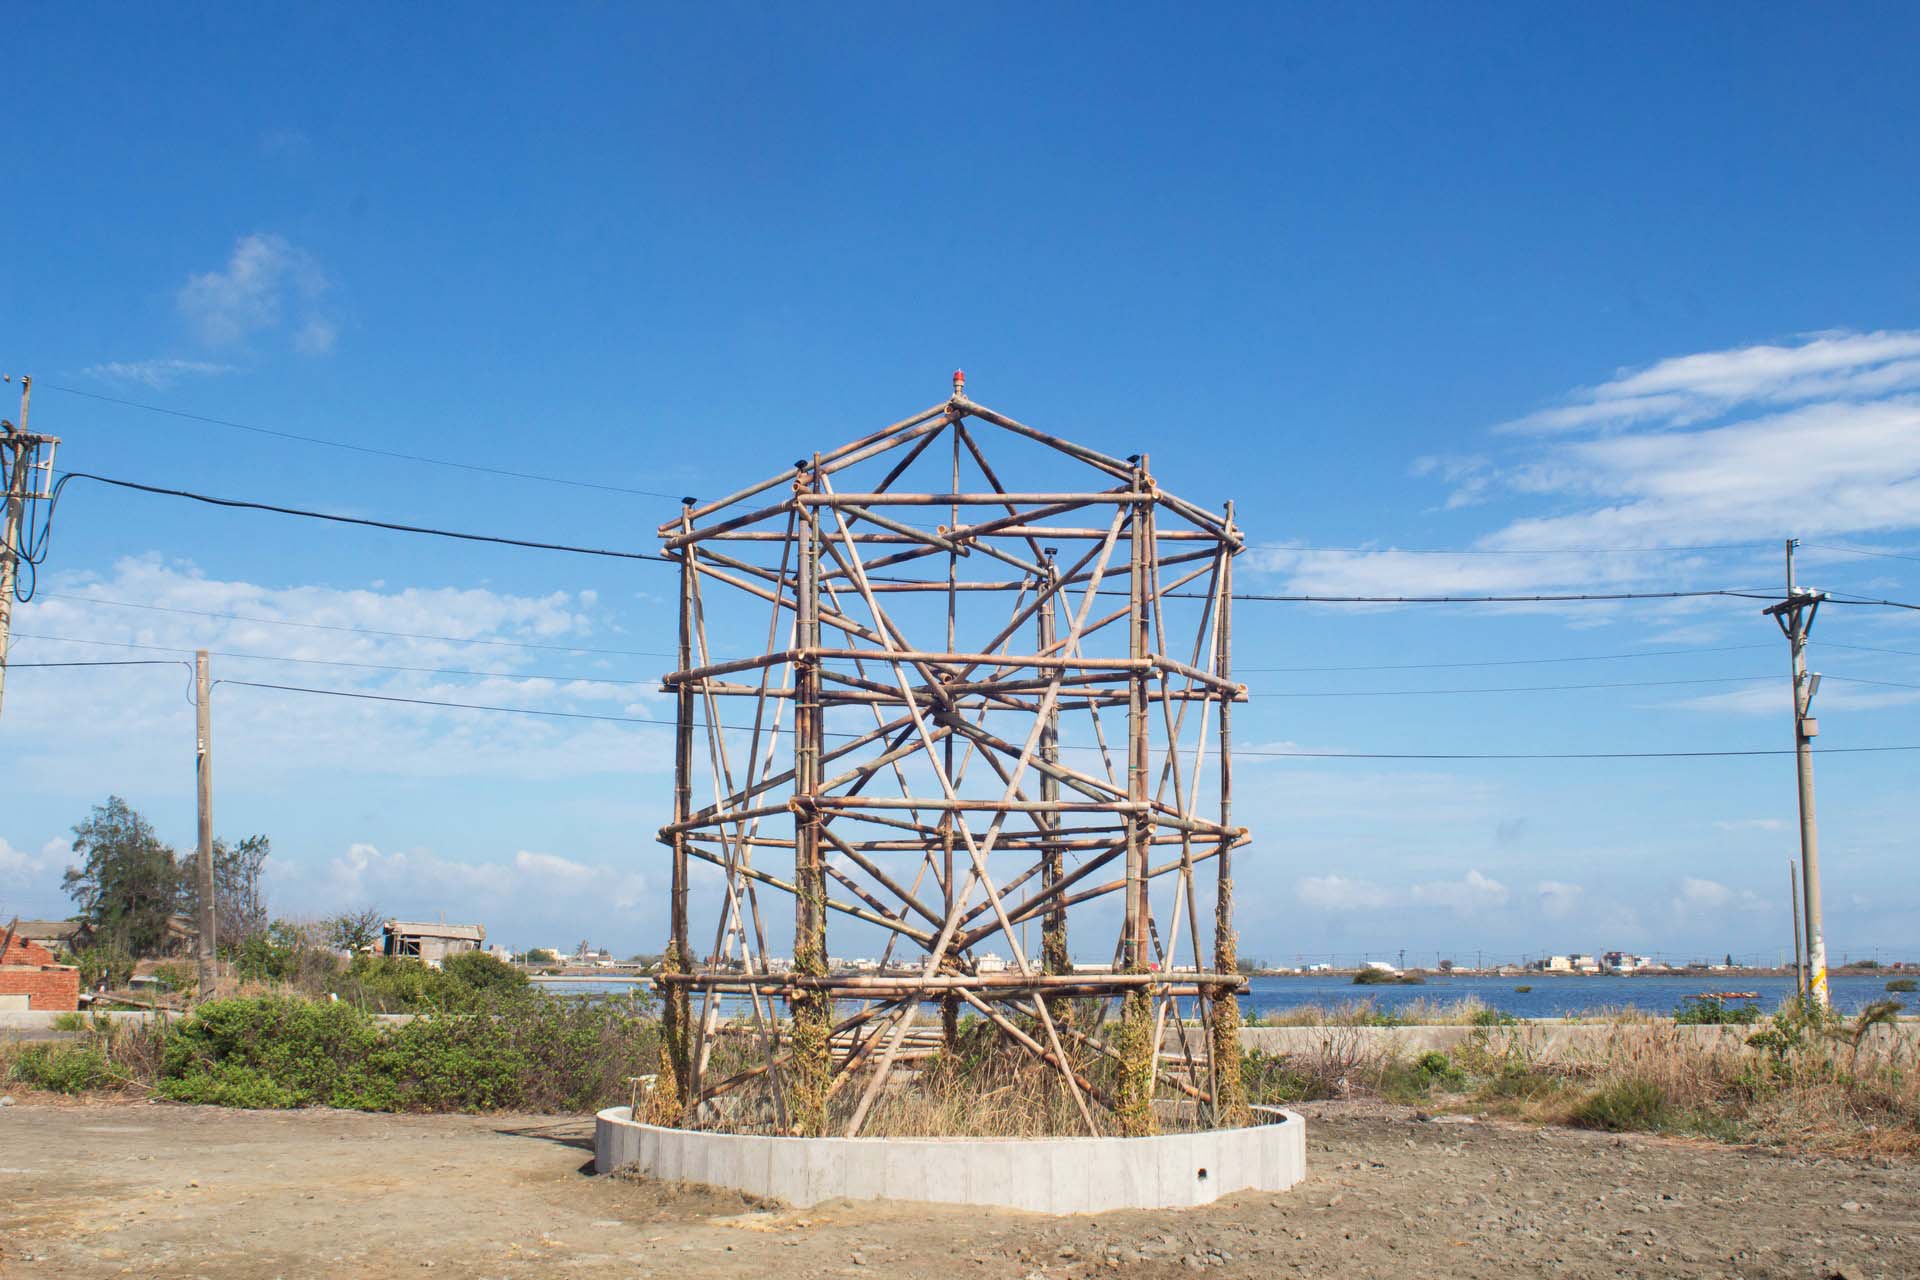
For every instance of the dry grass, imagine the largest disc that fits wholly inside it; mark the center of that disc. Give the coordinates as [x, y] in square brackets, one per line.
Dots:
[1424, 1011]
[1811, 1084]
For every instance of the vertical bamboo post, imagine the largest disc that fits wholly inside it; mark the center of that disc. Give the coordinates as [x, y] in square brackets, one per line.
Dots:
[1229, 1090]
[950, 1005]
[811, 1011]
[1054, 956]
[676, 1018]
[1136, 1020]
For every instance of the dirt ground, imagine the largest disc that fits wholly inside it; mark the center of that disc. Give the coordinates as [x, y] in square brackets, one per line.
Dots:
[154, 1190]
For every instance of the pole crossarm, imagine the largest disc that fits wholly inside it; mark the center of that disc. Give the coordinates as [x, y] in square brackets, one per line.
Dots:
[911, 606]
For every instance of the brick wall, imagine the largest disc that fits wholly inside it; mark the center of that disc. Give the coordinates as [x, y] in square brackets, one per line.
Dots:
[24, 951]
[27, 968]
[54, 986]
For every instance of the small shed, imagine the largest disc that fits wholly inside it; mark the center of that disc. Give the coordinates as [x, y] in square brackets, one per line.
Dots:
[429, 942]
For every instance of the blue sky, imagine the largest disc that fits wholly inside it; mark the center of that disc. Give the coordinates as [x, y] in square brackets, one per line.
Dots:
[1394, 279]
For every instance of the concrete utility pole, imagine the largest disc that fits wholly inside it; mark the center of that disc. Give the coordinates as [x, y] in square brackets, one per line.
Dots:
[1795, 615]
[203, 771]
[24, 474]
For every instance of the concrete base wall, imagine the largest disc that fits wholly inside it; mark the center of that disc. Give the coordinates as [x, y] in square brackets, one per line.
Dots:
[1045, 1175]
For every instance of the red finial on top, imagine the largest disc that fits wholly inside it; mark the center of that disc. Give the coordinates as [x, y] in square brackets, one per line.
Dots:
[959, 383]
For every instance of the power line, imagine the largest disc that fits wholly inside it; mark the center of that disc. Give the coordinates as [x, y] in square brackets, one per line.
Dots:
[655, 684]
[1867, 648]
[357, 520]
[1511, 662]
[1557, 755]
[639, 555]
[1885, 684]
[341, 662]
[1613, 595]
[130, 662]
[1849, 598]
[1307, 755]
[1518, 688]
[463, 706]
[1856, 551]
[365, 631]
[359, 448]
[1512, 551]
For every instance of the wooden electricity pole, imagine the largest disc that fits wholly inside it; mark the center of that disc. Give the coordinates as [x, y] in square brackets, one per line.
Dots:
[203, 771]
[1795, 615]
[24, 475]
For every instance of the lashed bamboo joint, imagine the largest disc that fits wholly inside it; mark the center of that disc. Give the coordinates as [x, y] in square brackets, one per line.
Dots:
[990, 722]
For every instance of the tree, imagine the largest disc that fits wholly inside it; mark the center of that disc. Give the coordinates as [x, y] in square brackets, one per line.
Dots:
[128, 882]
[355, 931]
[239, 905]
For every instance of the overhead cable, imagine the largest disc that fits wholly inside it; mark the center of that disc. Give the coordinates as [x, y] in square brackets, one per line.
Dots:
[359, 448]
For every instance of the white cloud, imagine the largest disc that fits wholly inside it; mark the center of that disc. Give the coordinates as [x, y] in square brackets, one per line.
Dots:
[158, 374]
[1469, 895]
[267, 281]
[1557, 900]
[1338, 893]
[1776, 699]
[19, 867]
[1686, 389]
[1819, 437]
[1706, 896]
[108, 724]
[421, 883]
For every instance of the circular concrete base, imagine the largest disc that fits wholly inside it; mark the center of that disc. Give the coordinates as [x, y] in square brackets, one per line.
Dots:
[1044, 1175]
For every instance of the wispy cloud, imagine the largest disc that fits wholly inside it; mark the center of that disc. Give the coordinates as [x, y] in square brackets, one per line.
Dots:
[267, 284]
[1818, 438]
[158, 374]
[104, 726]
[415, 882]
[1684, 390]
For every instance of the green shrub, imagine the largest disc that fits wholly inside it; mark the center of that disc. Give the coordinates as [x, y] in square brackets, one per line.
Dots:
[1494, 1018]
[106, 965]
[1522, 990]
[482, 972]
[1901, 984]
[1624, 1106]
[177, 975]
[531, 1051]
[1517, 1080]
[1273, 1079]
[1698, 1011]
[70, 1021]
[309, 1052]
[401, 984]
[62, 1068]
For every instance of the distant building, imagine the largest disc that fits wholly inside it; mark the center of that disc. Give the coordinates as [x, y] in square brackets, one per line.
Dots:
[29, 978]
[1379, 966]
[990, 963]
[429, 943]
[57, 935]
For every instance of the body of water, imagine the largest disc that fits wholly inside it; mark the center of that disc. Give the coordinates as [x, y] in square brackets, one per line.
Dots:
[1550, 997]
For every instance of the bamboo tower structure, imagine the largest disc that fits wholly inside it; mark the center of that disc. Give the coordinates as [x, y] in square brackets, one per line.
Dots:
[977, 708]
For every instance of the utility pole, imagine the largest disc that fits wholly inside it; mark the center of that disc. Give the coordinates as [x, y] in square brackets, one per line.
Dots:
[1793, 909]
[24, 475]
[203, 771]
[1795, 615]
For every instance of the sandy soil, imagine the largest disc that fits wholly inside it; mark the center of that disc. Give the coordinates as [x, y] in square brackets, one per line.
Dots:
[152, 1190]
